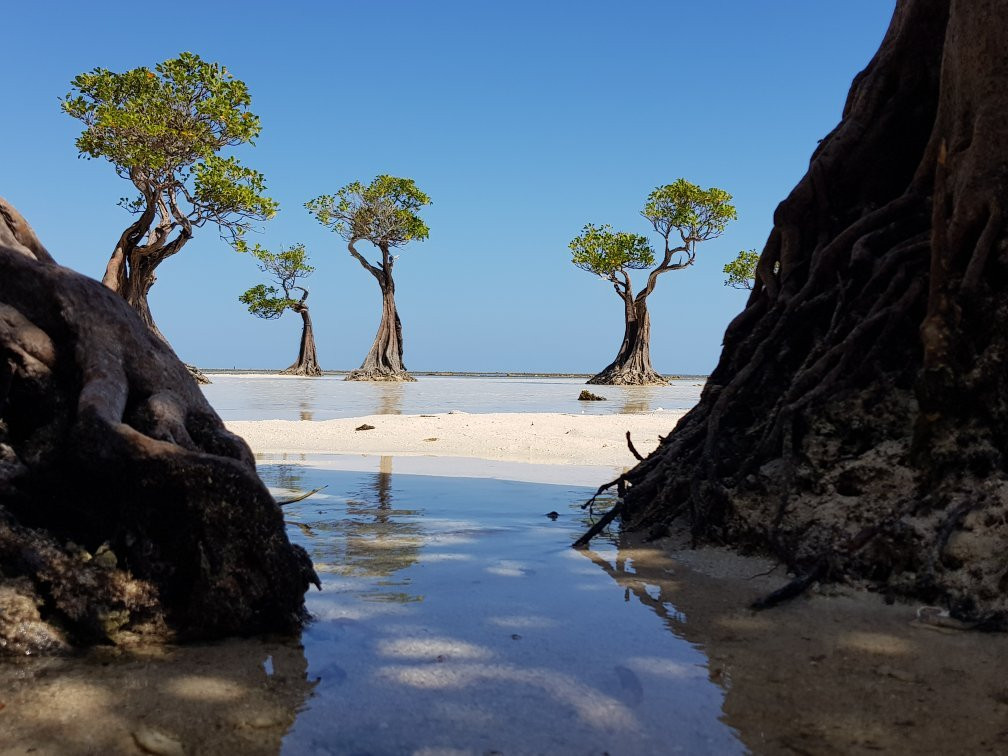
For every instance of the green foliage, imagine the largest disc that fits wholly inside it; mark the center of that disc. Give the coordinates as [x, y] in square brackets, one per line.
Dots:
[741, 272]
[285, 268]
[602, 251]
[162, 130]
[697, 214]
[265, 302]
[384, 212]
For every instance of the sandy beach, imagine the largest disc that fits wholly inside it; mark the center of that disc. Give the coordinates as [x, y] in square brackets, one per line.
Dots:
[540, 438]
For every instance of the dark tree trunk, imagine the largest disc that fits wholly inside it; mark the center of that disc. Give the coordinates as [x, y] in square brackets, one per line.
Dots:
[856, 422]
[307, 361]
[384, 362]
[126, 507]
[632, 366]
[131, 274]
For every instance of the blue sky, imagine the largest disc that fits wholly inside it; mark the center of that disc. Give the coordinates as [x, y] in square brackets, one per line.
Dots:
[521, 120]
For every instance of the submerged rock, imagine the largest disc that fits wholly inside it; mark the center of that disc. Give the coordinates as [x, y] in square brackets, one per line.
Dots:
[588, 396]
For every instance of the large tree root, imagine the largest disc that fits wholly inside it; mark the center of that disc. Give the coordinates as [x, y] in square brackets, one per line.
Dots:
[126, 507]
[305, 371]
[381, 375]
[626, 376]
[855, 424]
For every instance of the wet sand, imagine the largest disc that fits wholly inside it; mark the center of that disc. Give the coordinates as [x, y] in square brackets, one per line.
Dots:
[836, 671]
[541, 438]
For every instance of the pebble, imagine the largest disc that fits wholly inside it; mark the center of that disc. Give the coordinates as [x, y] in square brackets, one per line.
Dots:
[157, 742]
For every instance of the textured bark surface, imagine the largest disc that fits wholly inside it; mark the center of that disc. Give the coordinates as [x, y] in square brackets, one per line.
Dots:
[855, 424]
[126, 508]
[632, 366]
[307, 361]
[384, 362]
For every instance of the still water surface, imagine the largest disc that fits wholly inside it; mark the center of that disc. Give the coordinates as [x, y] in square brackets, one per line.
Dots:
[455, 618]
[276, 397]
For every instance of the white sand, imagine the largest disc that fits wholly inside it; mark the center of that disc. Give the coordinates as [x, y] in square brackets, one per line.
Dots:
[543, 438]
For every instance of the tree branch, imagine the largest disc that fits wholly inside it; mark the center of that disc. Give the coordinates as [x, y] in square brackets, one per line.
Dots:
[376, 272]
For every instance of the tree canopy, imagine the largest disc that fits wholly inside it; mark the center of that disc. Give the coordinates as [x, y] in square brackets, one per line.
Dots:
[162, 129]
[285, 268]
[741, 272]
[384, 212]
[604, 252]
[696, 214]
[680, 207]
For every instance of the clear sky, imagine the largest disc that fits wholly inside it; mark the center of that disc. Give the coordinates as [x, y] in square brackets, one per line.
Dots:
[522, 120]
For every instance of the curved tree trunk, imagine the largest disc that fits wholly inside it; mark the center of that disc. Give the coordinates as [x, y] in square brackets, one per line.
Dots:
[855, 424]
[384, 362]
[632, 366]
[307, 361]
[131, 274]
[126, 507]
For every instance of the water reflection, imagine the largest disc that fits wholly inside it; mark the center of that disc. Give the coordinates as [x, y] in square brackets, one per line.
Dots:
[285, 474]
[514, 627]
[636, 399]
[390, 398]
[821, 675]
[373, 538]
[306, 410]
[265, 397]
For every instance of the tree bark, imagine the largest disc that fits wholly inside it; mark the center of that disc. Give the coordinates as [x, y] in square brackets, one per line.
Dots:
[126, 507]
[384, 361]
[307, 361]
[632, 366]
[130, 272]
[854, 425]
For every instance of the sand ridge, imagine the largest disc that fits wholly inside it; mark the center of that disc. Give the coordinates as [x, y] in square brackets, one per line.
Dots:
[543, 438]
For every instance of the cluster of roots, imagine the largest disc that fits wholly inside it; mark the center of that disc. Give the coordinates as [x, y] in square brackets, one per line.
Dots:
[127, 511]
[856, 425]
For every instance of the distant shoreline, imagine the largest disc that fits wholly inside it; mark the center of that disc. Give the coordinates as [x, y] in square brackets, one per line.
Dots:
[443, 374]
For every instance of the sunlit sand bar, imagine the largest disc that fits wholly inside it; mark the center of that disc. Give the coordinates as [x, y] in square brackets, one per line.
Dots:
[543, 438]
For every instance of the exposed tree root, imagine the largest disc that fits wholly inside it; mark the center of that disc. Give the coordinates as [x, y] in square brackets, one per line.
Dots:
[857, 415]
[379, 375]
[126, 507]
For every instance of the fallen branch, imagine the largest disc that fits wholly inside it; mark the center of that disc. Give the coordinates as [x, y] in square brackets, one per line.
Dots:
[633, 451]
[598, 527]
[302, 497]
[793, 589]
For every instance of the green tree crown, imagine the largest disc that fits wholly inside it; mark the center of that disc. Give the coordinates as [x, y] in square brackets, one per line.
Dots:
[741, 272]
[697, 214]
[384, 212]
[285, 268]
[162, 130]
[602, 251]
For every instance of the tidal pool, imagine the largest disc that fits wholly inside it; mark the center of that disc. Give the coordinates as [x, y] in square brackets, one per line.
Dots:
[455, 618]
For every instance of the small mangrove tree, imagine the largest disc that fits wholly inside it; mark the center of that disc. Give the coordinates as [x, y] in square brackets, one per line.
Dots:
[383, 213]
[286, 268]
[683, 214]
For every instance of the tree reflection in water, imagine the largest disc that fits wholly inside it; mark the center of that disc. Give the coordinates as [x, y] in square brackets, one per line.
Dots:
[284, 474]
[637, 399]
[371, 540]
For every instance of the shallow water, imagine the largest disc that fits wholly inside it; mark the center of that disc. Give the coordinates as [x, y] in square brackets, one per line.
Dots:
[456, 620]
[455, 617]
[275, 397]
